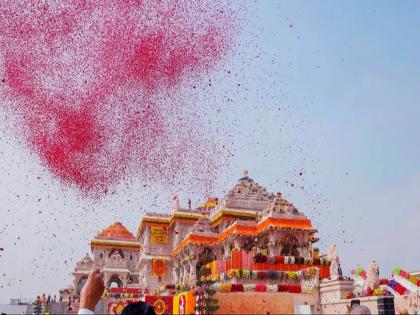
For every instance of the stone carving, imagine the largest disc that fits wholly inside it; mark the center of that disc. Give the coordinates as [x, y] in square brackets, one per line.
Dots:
[407, 304]
[280, 206]
[116, 260]
[372, 277]
[85, 264]
[335, 268]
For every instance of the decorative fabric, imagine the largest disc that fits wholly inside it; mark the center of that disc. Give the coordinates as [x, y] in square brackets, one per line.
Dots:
[159, 267]
[247, 260]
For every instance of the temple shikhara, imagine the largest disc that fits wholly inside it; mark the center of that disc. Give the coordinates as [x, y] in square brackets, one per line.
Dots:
[258, 249]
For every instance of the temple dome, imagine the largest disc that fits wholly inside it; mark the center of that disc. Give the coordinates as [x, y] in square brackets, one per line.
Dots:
[116, 231]
[280, 206]
[248, 189]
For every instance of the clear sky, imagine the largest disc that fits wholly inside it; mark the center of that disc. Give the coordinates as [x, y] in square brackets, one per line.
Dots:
[329, 89]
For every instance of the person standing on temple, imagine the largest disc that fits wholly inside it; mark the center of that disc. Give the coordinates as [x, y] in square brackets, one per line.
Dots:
[340, 272]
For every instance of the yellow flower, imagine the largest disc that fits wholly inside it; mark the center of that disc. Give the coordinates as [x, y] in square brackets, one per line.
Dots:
[412, 279]
[226, 287]
[378, 291]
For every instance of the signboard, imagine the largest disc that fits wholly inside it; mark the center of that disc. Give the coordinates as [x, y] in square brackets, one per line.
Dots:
[159, 267]
[184, 303]
[158, 235]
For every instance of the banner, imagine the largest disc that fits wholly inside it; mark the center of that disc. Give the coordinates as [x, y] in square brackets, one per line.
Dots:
[184, 303]
[158, 235]
[161, 304]
[159, 267]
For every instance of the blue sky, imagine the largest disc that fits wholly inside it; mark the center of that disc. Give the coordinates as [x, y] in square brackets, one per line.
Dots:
[328, 88]
[350, 73]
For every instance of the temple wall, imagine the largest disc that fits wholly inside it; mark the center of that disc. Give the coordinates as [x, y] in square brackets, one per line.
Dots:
[158, 249]
[148, 280]
[181, 229]
[264, 303]
[131, 257]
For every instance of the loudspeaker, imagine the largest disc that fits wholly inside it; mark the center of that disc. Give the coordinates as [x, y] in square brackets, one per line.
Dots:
[386, 305]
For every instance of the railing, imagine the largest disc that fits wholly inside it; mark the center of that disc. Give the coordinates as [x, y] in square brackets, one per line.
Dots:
[21, 301]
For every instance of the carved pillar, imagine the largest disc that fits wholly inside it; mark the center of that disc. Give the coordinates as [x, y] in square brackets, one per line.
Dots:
[186, 273]
[193, 275]
[177, 237]
[147, 240]
[76, 280]
[272, 238]
[177, 271]
[123, 278]
[181, 274]
[227, 250]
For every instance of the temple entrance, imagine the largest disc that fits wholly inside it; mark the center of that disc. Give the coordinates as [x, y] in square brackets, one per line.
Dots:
[289, 245]
[115, 282]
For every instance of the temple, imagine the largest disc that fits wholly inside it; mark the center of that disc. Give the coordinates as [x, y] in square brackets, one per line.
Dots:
[116, 253]
[257, 246]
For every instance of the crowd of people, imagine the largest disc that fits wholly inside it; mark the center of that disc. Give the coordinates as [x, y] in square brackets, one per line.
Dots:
[43, 300]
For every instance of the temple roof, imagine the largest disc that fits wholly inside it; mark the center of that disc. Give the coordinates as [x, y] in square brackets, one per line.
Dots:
[116, 231]
[203, 226]
[248, 189]
[246, 199]
[281, 206]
